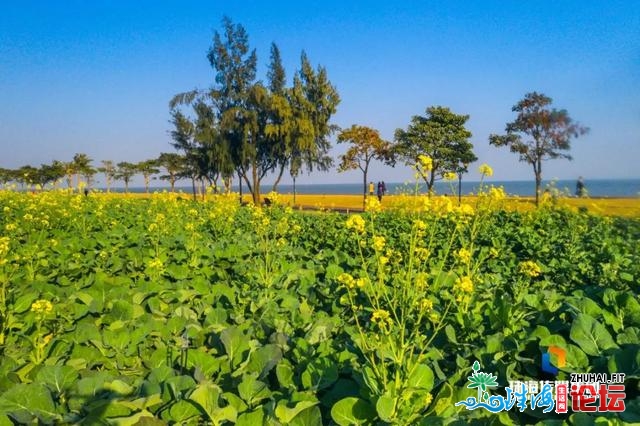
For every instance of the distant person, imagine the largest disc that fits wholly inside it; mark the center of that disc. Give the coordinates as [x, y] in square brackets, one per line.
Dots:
[86, 192]
[384, 188]
[580, 187]
[380, 191]
[370, 188]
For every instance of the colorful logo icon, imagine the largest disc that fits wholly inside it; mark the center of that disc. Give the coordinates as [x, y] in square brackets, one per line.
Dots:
[561, 356]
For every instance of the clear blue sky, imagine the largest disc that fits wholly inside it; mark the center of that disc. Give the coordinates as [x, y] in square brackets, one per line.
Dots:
[96, 77]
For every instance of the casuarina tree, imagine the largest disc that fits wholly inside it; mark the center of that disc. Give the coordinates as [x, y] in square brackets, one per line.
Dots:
[539, 133]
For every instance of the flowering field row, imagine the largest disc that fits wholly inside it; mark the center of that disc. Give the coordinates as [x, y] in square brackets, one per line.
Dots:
[169, 311]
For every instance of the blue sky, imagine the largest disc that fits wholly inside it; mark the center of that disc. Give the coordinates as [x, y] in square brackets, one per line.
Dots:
[96, 77]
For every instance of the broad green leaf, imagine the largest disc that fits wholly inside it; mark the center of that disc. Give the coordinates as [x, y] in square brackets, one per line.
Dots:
[308, 417]
[590, 335]
[286, 414]
[352, 411]
[182, 411]
[386, 408]
[58, 378]
[253, 418]
[284, 373]
[235, 343]
[264, 359]
[421, 377]
[27, 402]
[253, 390]
[207, 396]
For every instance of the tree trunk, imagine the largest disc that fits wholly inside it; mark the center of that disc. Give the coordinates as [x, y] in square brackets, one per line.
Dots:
[172, 182]
[294, 190]
[364, 192]
[240, 185]
[146, 184]
[193, 186]
[126, 186]
[459, 188]
[538, 172]
[256, 185]
[275, 184]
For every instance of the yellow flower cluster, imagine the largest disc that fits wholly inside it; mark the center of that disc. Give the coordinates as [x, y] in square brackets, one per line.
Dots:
[426, 305]
[485, 170]
[373, 205]
[156, 264]
[425, 162]
[449, 176]
[348, 281]
[4, 249]
[497, 193]
[378, 243]
[356, 223]
[464, 284]
[422, 253]
[381, 317]
[530, 268]
[421, 280]
[42, 307]
[464, 255]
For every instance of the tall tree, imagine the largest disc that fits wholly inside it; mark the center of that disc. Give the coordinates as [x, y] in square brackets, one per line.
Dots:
[109, 170]
[125, 172]
[441, 135]
[82, 166]
[174, 164]
[539, 133]
[366, 146]
[147, 168]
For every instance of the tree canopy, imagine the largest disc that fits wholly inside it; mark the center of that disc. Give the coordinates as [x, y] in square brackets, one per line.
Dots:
[539, 133]
[442, 137]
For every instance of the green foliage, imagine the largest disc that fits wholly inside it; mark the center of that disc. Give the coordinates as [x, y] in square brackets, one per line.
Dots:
[442, 136]
[550, 130]
[164, 310]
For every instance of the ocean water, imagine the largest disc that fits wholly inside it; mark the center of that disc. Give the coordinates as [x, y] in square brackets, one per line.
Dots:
[595, 188]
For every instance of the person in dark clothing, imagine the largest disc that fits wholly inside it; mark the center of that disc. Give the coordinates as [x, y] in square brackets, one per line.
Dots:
[580, 187]
[380, 191]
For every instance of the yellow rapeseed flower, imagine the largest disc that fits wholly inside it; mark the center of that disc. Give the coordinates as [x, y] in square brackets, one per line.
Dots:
[378, 243]
[497, 193]
[425, 162]
[356, 223]
[464, 255]
[383, 260]
[347, 280]
[381, 317]
[421, 280]
[530, 268]
[426, 305]
[485, 170]
[42, 306]
[449, 176]
[373, 205]
[464, 284]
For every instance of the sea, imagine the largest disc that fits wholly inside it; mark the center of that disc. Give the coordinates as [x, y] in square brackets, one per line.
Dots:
[612, 188]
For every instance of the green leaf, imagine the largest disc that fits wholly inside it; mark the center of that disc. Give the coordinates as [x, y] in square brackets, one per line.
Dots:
[352, 411]
[27, 402]
[253, 390]
[421, 378]
[590, 335]
[253, 418]
[58, 378]
[319, 374]
[207, 395]
[23, 303]
[386, 408]
[182, 410]
[235, 343]
[626, 361]
[308, 417]
[284, 373]
[286, 414]
[264, 359]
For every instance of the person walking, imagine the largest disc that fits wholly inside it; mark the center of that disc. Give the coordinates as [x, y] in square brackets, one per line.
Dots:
[580, 187]
[371, 188]
[380, 191]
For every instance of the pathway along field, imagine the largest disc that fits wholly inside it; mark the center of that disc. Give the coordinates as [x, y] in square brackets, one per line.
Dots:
[625, 207]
